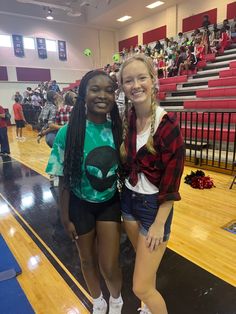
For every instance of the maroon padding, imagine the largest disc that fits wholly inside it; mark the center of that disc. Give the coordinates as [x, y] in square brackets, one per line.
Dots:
[224, 118]
[210, 104]
[195, 21]
[154, 34]
[232, 64]
[127, 43]
[172, 80]
[161, 95]
[228, 81]
[201, 64]
[209, 57]
[228, 73]
[3, 74]
[167, 87]
[216, 92]
[231, 10]
[218, 135]
[188, 72]
[33, 74]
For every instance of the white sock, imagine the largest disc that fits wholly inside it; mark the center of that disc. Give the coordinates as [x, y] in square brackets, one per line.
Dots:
[99, 301]
[116, 300]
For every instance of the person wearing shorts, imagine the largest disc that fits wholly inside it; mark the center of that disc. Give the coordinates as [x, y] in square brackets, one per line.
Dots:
[19, 119]
[85, 155]
[152, 153]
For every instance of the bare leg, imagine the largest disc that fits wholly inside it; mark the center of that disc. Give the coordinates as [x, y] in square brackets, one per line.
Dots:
[108, 237]
[86, 245]
[144, 281]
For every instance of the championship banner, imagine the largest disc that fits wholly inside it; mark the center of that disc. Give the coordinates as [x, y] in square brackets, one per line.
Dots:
[41, 47]
[18, 45]
[62, 50]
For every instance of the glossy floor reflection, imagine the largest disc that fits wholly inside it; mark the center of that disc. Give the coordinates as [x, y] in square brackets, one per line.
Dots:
[187, 288]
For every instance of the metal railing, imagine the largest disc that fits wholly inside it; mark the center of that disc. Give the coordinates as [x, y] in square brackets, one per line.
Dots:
[209, 136]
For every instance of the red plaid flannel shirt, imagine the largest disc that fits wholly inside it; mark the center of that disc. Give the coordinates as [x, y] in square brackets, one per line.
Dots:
[63, 115]
[164, 169]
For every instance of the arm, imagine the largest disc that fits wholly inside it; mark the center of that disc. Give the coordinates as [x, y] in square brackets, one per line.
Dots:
[173, 154]
[64, 200]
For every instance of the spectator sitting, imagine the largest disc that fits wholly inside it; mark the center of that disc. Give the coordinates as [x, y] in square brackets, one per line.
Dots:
[233, 28]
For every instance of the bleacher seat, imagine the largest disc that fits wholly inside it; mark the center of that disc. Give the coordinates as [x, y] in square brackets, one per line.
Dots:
[210, 104]
[228, 81]
[216, 92]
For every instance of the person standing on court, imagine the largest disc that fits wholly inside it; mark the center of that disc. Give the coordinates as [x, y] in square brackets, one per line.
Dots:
[153, 156]
[85, 155]
[19, 119]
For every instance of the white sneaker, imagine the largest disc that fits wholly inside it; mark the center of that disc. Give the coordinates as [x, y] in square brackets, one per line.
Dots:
[144, 310]
[22, 139]
[101, 308]
[115, 308]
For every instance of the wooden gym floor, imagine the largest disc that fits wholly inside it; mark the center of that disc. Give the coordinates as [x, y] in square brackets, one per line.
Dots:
[198, 272]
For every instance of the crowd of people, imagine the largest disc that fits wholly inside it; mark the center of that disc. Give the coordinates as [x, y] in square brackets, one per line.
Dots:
[172, 56]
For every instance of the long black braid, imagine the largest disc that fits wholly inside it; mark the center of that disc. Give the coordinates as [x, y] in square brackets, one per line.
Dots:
[74, 148]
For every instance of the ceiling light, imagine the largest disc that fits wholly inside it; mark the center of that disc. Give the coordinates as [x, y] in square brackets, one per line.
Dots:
[49, 15]
[154, 4]
[124, 18]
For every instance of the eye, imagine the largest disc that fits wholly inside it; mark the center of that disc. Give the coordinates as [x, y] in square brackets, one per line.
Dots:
[110, 90]
[127, 81]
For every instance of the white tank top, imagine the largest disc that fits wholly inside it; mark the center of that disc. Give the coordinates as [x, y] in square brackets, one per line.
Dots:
[143, 185]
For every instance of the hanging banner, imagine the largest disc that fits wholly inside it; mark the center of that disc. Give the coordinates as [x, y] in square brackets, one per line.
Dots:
[18, 45]
[62, 50]
[41, 47]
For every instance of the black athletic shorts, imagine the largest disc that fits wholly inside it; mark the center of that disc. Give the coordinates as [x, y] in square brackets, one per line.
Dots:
[84, 214]
[20, 123]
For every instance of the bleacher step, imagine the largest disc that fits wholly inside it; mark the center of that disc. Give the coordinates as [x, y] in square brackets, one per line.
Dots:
[181, 98]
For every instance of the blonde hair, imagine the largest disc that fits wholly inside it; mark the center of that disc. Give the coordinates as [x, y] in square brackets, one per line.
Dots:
[151, 70]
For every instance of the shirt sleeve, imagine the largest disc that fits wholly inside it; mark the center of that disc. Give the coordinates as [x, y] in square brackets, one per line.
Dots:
[56, 159]
[173, 155]
[52, 115]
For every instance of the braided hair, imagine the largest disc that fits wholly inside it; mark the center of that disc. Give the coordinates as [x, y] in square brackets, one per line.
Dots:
[74, 148]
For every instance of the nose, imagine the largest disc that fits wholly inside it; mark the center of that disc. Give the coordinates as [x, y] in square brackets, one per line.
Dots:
[136, 83]
[102, 94]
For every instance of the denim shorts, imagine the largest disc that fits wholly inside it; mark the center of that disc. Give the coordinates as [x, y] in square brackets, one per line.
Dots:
[143, 208]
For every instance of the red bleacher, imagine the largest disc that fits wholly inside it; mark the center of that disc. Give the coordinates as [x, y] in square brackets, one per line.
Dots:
[216, 92]
[173, 80]
[210, 104]
[228, 81]
[232, 64]
[167, 87]
[228, 73]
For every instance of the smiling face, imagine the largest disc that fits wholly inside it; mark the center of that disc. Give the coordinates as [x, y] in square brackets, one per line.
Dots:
[100, 98]
[137, 83]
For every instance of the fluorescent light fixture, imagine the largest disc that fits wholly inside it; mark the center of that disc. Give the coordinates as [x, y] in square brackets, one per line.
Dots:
[154, 4]
[124, 18]
[49, 15]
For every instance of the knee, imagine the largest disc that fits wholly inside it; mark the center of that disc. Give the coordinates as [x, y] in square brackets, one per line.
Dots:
[141, 290]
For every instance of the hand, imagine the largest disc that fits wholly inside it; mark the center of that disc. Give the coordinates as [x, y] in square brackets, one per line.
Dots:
[70, 229]
[155, 236]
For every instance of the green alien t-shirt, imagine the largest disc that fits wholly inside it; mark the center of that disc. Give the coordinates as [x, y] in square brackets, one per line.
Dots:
[98, 182]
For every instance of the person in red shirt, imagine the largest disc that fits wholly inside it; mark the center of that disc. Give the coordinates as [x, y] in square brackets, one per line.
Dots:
[4, 143]
[153, 154]
[19, 119]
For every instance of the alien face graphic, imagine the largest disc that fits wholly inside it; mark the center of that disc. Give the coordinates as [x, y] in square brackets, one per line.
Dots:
[100, 167]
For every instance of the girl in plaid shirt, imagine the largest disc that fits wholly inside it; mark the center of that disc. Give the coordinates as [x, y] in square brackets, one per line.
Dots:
[153, 155]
